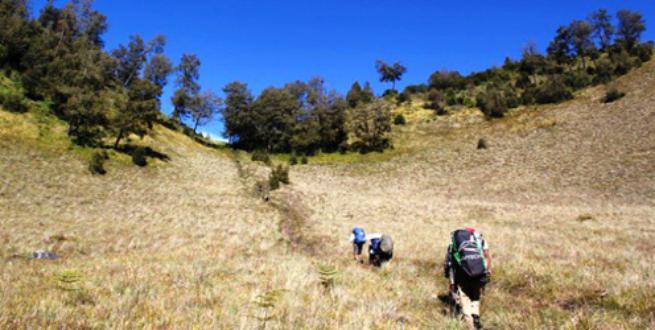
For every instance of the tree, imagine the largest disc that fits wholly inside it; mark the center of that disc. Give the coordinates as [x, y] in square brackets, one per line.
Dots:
[158, 69]
[390, 73]
[139, 112]
[581, 39]
[204, 106]
[142, 71]
[367, 95]
[15, 32]
[275, 112]
[240, 127]
[370, 125]
[188, 73]
[631, 26]
[444, 79]
[132, 58]
[532, 61]
[601, 23]
[354, 96]
[560, 48]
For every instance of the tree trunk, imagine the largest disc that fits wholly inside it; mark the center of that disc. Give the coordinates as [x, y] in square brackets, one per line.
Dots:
[393, 84]
[196, 126]
[118, 138]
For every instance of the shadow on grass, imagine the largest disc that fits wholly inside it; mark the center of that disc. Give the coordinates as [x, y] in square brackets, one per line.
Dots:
[149, 152]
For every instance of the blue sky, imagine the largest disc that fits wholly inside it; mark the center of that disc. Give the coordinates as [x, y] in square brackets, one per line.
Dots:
[268, 43]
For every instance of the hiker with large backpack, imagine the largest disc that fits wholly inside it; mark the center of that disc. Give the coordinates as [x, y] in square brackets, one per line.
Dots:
[380, 249]
[468, 266]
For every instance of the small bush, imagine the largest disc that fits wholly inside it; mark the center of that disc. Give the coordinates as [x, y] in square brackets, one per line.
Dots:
[278, 175]
[553, 91]
[97, 163]
[390, 93]
[343, 147]
[644, 52]
[304, 160]
[399, 120]
[261, 156]
[578, 79]
[603, 72]
[139, 157]
[613, 95]
[402, 98]
[293, 160]
[13, 102]
[492, 104]
[482, 144]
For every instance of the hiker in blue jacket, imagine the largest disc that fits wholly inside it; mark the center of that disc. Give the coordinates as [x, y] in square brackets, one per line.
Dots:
[358, 238]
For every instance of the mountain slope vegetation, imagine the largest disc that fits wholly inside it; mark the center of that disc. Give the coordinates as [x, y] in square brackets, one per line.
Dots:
[563, 193]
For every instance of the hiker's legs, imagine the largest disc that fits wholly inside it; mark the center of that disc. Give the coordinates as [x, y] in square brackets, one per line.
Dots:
[357, 251]
[469, 302]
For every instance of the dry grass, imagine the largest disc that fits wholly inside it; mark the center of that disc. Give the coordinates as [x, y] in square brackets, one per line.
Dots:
[564, 195]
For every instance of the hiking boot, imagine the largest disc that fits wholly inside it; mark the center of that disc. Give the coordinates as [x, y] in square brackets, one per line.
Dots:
[476, 322]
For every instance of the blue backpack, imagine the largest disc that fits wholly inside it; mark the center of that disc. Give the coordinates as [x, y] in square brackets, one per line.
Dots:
[360, 235]
[375, 245]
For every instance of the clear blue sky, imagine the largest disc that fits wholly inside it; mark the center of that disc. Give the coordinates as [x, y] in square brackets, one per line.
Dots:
[269, 43]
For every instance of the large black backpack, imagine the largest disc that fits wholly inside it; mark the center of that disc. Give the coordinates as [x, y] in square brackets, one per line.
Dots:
[466, 250]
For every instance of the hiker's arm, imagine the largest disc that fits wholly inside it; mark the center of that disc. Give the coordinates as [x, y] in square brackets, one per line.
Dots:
[487, 257]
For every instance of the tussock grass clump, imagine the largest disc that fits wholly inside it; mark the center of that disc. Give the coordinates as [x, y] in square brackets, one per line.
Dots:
[293, 160]
[613, 95]
[585, 217]
[97, 163]
[327, 275]
[139, 157]
[482, 144]
[261, 156]
[71, 282]
[304, 160]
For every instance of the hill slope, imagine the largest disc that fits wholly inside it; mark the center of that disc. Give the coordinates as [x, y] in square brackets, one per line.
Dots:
[565, 194]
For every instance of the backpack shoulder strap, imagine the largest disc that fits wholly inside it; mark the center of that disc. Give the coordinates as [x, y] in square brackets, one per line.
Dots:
[454, 249]
[478, 243]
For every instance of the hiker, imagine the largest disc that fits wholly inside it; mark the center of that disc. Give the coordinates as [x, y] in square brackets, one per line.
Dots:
[468, 266]
[358, 238]
[380, 249]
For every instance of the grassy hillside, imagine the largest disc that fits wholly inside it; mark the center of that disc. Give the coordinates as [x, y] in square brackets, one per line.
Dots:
[564, 194]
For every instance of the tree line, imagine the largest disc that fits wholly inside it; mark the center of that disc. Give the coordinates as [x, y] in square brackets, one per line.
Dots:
[583, 53]
[59, 58]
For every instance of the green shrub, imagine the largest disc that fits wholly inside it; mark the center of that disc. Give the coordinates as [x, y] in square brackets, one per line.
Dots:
[304, 160]
[604, 71]
[622, 62]
[260, 155]
[613, 95]
[278, 175]
[577, 79]
[343, 147]
[399, 120]
[553, 91]
[402, 98]
[13, 102]
[139, 157]
[97, 163]
[644, 52]
[293, 160]
[492, 104]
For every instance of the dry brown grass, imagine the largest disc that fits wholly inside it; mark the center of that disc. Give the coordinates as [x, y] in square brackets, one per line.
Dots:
[564, 195]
